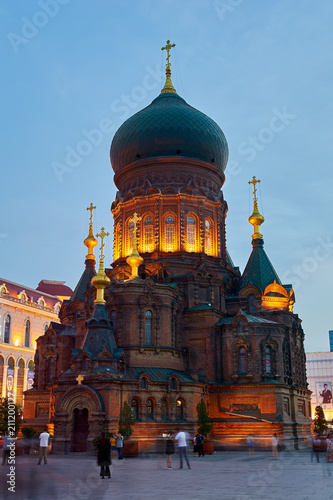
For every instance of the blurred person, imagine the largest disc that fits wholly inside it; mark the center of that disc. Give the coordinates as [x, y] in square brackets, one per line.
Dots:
[316, 442]
[329, 452]
[250, 445]
[120, 444]
[275, 443]
[43, 444]
[169, 450]
[199, 439]
[195, 449]
[104, 456]
[180, 437]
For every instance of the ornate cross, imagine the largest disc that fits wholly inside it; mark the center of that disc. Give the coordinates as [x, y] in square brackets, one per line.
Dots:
[167, 48]
[102, 235]
[80, 379]
[91, 208]
[254, 182]
[135, 219]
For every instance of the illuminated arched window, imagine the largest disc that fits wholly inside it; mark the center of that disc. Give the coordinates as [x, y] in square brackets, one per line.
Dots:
[27, 334]
[179, 410]
[149, 410]
[130, 238]
[164, 410]
[268, 360]
[148, 234]
[135, 409]
[242, 361]
[208, 238]
[169, 233]
[117, 243]
[11, 363]
[148, 328]
[6, 337]
[191, 233]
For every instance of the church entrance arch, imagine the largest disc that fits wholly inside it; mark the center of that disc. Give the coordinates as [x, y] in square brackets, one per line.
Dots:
[80, 430]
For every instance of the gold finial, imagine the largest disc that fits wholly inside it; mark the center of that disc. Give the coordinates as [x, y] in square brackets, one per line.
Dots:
[168, 87]
[134, 260]
[80, 379]
[100, 280]
[90, 241]
[256, 219]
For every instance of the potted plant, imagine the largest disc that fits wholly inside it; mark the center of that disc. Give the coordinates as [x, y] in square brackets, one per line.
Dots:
[130, 448]
[320, 427]
[28, 434]
[205, 426]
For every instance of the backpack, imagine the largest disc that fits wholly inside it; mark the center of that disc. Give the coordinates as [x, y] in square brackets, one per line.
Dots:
[199, 440]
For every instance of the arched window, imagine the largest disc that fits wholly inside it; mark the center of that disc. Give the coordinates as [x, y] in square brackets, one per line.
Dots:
[208, 237]
[251, 301]
[144, 383]
[242, 361]
[135, 409]
[164, 410]
[130, 238]
[191, 233]
[114, 322]
[149, 410]
[148, 327]
[172, 384]
[170, 233]
[179, 410]
[240, 327]
[11, 363]
[117, 243]
[148, 234]
[52, 340]
[50, 370]
[268, 360]
[20, 381]
[6, 338]
[85, 364]
[27, 334]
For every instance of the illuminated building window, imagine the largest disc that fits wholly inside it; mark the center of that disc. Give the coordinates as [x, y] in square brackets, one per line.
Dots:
[208, 238]
[164, 410]
[11, 363]
[149, 410]
[130, 238]
[179, 410]
[6, 338]
[191, 234]
[27, 334]
[148, 234]
[169, 233]
[242, 361]
[268, 360]
[135, 409]
[148, 328]
[117, 243]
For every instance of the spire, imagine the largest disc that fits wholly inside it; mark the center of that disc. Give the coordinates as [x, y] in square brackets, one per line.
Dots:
[168, 87]
[134, 260]
[90, 241]
[100, 280]
[256, 219]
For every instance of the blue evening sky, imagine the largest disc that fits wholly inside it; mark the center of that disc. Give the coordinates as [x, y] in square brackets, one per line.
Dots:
[74, 70]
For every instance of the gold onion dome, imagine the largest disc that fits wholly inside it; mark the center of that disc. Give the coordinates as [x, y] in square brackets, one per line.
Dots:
[100, 281]
[90, 242]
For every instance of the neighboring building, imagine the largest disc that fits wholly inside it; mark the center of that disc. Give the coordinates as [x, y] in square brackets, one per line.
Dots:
[25, 315]
[331, 339]
[179, 324]
[319, 368]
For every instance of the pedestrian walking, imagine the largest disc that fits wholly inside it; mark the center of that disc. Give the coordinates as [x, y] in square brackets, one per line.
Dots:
[120, 444]
[43, 444]
[250, 445]
[5, 449]
[180, 437]
[275, 444]
[169, 450]
[104, 456]
[199, 439]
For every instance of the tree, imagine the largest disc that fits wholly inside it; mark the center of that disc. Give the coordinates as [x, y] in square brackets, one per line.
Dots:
[126, 421]
[204, 425]
[320, 422]
[10, 417]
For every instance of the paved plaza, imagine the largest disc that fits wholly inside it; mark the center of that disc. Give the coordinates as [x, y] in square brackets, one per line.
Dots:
[225, 475]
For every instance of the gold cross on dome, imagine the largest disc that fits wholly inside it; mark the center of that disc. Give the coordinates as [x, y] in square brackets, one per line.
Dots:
[254, 182]
[91, 208]
[167, 48]
[102, 235]
[80, 379]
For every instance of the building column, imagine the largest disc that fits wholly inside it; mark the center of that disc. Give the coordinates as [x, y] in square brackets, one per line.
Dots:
[25, 379]
[4, 381]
